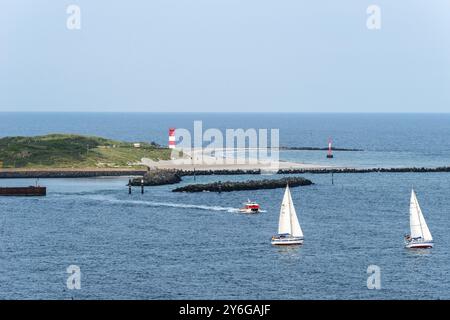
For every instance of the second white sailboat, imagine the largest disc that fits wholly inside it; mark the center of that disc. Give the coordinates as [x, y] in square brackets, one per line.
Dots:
[289, 230]
[420, 236]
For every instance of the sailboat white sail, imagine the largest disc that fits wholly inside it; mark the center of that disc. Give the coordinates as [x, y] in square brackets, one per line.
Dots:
[420, 236]
[289, 230]
[296, 230]
[284, 223]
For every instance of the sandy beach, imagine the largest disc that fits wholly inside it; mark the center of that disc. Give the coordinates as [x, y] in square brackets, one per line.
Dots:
[263, 166]
[226, 159]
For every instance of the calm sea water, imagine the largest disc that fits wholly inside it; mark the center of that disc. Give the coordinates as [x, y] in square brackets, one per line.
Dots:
[164, 245]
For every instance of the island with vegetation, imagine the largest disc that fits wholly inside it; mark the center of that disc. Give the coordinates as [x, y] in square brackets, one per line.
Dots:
[67, 155]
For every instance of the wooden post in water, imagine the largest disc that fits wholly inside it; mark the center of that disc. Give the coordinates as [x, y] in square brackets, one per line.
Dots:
[220, 187]
[142, 186]
[332, 177]
[129, 186]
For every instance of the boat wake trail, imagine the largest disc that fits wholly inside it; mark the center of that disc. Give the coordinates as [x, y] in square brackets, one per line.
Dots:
[162, 204]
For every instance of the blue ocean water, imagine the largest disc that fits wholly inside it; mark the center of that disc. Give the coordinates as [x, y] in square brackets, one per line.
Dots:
[165, 245]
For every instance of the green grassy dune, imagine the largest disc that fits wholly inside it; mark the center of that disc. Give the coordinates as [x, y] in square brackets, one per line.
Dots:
[74, 151]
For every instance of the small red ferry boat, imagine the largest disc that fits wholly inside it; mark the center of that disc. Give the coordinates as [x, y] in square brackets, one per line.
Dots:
[250, 207]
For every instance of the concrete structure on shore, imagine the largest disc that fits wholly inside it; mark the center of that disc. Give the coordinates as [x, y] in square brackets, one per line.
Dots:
[67, 173]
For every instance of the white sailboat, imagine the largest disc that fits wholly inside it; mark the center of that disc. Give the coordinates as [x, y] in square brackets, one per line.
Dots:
[289, 230]
[420, 236]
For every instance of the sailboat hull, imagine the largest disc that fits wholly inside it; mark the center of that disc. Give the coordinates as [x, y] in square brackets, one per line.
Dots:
[287, 241]
[250, 211]
[419, 245]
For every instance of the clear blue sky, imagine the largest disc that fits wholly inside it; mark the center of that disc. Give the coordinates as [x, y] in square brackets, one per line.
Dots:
[225, 55]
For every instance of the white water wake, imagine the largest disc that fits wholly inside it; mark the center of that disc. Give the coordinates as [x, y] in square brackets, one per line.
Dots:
[162, 204]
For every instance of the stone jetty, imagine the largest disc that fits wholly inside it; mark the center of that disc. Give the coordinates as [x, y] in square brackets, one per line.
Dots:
[326, 170]
[245, 185]
[366, 170]
[319, 149]
[171, 176]
[67, 173]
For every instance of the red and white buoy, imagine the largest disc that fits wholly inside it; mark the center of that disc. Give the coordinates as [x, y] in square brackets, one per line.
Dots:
[171, 138]
[330, 153]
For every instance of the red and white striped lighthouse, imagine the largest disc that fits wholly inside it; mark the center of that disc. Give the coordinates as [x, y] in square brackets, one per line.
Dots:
[171, 138]
[330, 153]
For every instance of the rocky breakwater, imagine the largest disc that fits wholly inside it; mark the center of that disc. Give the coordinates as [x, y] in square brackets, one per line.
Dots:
[367, 170]
[66, 173]
[157, 178]
[245, 185]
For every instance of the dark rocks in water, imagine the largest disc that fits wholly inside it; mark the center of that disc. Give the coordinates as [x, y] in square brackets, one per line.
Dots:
[182, 173]
[157, 178]
[219, 172]
[319, 149]
[245, 185]
[364, 170]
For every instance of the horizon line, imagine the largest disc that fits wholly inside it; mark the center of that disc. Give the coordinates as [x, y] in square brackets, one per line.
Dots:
[233, 112]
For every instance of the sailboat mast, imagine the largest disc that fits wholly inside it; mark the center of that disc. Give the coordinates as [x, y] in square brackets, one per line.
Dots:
[290, 214]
